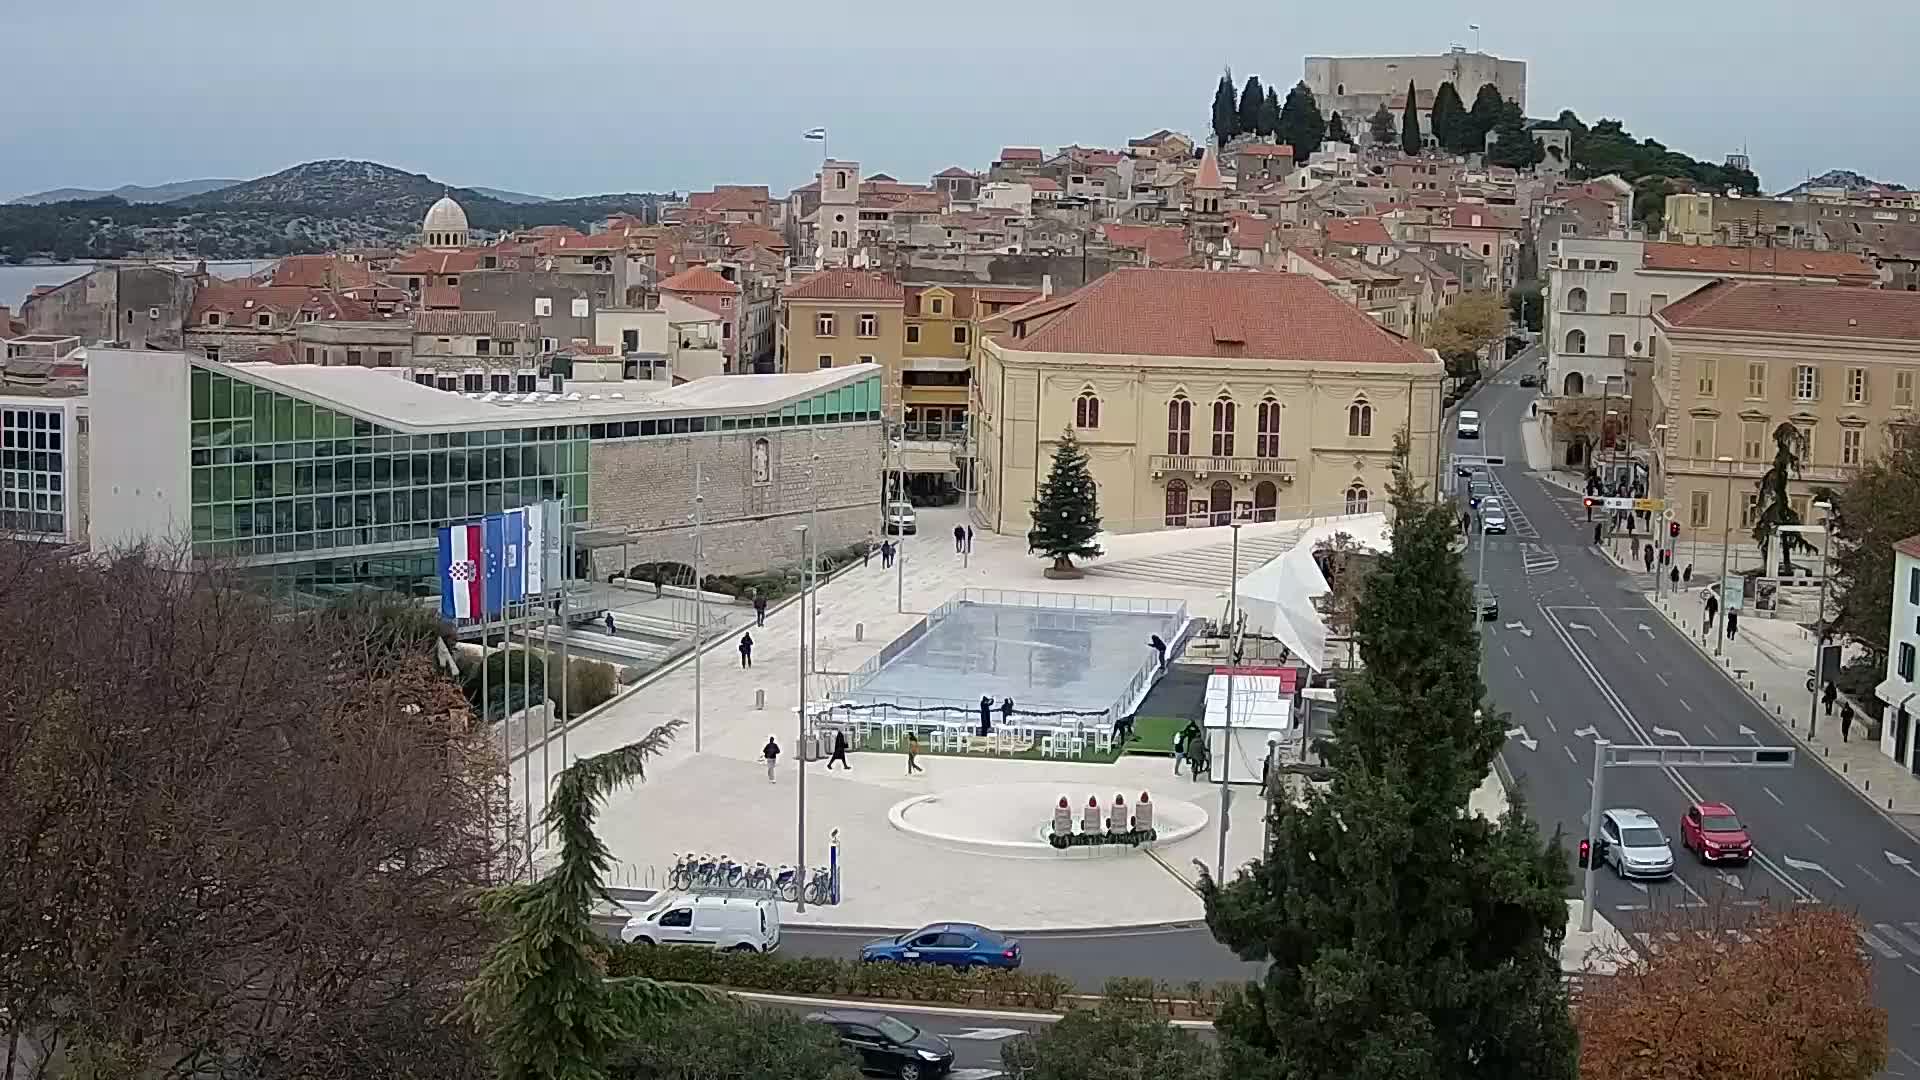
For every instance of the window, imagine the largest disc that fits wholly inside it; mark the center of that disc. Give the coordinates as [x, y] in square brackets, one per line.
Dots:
[1857, 386]
[1903, 389]
[823, 324]
[383, 358]
[1806, 382]
[959, 335]
[1913, 586]
[939, 305]
[473, 382]
[629, 341]
[580, 307]
[1086, 410]
[1617, 303]
[1223, 410]
[1576, 300]
[913, 335]
[311, 357]
[1756, 380]
[1906, 661]
[1576, 342]
[354, 358]
[869, 325]
[1750, 510]
[1609, 264]
[866, 359]
[153, 313]
[677, 917]
[1616, 344]
[1656, 302]
[483, 346]
[1179, 426]
[543, 306]
[213, 318]
[263, 319]
[1698, 509]
[826, 360]
[1357, 497]
[1360, 419]
[1267, 421]
[1706, 371]
[1850, 446]
[1753, 437]
[1176, 502]
[526, 384]
[1703, 438]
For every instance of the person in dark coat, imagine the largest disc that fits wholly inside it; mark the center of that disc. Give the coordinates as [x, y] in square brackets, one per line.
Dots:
[986, 715]
[771, 752]
[959, 538]
[1006, 712]
[1846, 719]
[1159, 648]
[1827, 695]
[610, 622]
[760, 609]
[1673, 576]
[746, 650]
[1733, 623]
[839, 751]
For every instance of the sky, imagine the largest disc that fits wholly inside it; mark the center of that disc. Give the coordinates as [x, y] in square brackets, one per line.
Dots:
[572, 97]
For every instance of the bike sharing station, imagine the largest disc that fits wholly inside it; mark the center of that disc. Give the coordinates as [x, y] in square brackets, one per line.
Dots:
[720, 875]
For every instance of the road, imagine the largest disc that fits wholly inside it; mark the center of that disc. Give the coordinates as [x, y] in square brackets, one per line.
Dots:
[1577, 654]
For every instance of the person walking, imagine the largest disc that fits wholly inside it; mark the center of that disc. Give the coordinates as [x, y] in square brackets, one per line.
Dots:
[1179, 749]
[839, 752]
[610, 622]
[1596, 533]
[1673, 576]
[866, 549]
[759, 609]
[913, 752]
[771, 752]
[1713, 608]
[959, 538]
[746, 650]
[1649, 558]
[1827, 695]
[1733, 622]
[1846, 719]
[969, 539]
[1159, 647]
[986, 715]
[886, 555]
[1687, 574]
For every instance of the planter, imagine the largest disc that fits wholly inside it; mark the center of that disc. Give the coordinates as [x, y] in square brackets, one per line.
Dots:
[1064, 573]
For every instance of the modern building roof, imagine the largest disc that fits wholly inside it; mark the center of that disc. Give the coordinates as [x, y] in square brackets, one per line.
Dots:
[845, 285]
[1799, 310]
[1252, 315]
[386, 396]
[1790, 262]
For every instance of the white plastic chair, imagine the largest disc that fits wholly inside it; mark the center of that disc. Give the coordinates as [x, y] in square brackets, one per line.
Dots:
[1103, 739]
[889, 735]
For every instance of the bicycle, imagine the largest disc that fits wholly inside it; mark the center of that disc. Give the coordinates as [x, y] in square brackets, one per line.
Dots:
[681, 875]
[820, 886]
[786, 883]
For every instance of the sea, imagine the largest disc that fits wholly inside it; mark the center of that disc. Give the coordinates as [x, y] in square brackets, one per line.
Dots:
[18, 281]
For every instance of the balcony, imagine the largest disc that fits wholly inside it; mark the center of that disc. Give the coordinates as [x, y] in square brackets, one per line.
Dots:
[1753, 470]
[1200, 466]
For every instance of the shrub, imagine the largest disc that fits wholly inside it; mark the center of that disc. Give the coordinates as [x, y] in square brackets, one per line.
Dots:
[525, 680]
[725, 1039]
[1119, 1037]
[590, 683]
[826, 976]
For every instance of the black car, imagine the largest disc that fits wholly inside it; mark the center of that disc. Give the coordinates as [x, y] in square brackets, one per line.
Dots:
[1530, 379]
[1485, 604]
[888, 1045]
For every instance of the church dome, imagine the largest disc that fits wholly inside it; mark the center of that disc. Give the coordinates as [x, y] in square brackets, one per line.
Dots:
[445, 224]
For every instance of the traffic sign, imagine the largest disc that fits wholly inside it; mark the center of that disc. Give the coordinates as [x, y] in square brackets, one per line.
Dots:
[1643, 505]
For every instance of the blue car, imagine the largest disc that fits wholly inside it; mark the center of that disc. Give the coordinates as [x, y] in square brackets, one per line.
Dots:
[961, 945]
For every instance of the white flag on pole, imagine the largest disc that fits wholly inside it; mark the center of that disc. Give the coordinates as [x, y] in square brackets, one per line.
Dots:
[553, 553]
[536, 548]
[818, 134]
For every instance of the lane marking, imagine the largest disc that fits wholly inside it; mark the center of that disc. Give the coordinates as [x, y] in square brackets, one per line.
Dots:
[1504, 652]
[1698, 899]
[1771, 795]
[1517, 671]
[1710, 733]
[1818, 833]
[1879, 946]
[1662, 678]
[1637, 654]
[1570, 756]
[1870, 874]
[1898, 937]
[1549, 721]
[1683, 703]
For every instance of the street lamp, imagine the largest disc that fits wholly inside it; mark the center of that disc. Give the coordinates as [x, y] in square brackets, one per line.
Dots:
[1235, 643]
[1819, 623]
[800, 744]
[1726, 541]
[1669, 542]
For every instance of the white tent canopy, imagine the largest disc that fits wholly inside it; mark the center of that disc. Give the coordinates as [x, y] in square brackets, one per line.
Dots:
[1278, 596]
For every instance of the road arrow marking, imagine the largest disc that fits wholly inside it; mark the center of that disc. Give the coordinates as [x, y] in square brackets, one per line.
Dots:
[1904, 864]
[1666, 733]
[1640, 885]
[1802, 864]
[1733, 880]
[1521, 734]
[1647, 630]
[987, 1034]
[1522, 627]
[1585, 732]
[1748, 732]
[1582, 626]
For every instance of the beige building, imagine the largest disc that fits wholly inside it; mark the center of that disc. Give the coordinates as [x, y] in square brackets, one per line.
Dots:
[836, 318]
[1736, 359]
[1200, 395]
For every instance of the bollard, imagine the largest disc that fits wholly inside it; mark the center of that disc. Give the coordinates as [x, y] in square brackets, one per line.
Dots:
[1063, 818]
[859, 631]
[1867, 785]
[1825, 752]
[760, 699]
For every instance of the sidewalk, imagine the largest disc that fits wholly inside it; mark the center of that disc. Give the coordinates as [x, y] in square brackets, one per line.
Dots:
[1770, 659]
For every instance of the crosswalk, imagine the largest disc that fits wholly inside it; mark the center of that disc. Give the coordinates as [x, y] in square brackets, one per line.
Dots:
[1887, 940]
[1539, 559]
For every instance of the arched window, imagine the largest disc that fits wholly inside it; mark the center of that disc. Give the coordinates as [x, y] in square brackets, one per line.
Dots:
[1266, 498]
[1576, 299]
[1223, 411]
[1267, 441]
[1575, 385]
[1086, 410]
[1179, 426]
[1357, 498]
[1176, 502]
[1220, 503]
[1360, 419]
[1576, 341]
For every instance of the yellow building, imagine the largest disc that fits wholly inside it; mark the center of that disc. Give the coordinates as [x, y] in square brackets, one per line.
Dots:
[942, 339]
[840, 317]
[1736, 359]
[1201, 395]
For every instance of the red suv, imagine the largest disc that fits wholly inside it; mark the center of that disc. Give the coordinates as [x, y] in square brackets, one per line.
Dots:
[1713, 831]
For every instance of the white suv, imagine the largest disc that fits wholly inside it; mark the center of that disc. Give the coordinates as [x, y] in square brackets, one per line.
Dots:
[1633, 844]
[1469, 427]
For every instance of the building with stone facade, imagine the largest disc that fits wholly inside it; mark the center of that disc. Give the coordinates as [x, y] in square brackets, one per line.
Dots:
[141, 306]
[331, 478]
[1201, 396]
[836, 318]
[1356, 86]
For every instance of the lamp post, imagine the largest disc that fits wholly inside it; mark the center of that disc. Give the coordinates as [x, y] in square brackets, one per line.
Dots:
[1819, 624]
[1234, 645]
[1726, 543]
[699, 602]
[1667, 542]
[800, 744]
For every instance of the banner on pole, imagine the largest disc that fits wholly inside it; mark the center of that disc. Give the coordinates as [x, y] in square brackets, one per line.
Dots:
[494, 538]
[536, 517]
[460, 569]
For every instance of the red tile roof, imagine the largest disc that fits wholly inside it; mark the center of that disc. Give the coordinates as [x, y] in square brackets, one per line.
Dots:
[699, 279]
[442, 297]
[1909, 547]
[450, 323]
[1265, 150]
[846, 285]
[1162, 243]
[1209, 177]
[436, 262]
[1249, 231]
[1021, 153]
[320, 272]
[1208, 313]
[1789, 262]
[1800, 310]
[239, 303]
[747, 235]
[1363, 230]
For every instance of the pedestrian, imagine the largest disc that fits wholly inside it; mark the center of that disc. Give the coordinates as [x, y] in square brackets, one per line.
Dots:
[969, 539]
[1827, 695]
[866, 549]
[1846, 720]
[1673, 576]
[746, 650]
[1713, 608]
[986, 715]
[913, 752]
[1159, 648]
[1122, 730]
[771, 752]
[839, 752]
[1649, 559]
[1687, 574]
[886, 555]
[959, 539]
[1006, 712]
[609, 622]
[1733, 622]
[759, 608]
[1179, 749]
[1597, 526]
[1466, 523]
[1533, 408]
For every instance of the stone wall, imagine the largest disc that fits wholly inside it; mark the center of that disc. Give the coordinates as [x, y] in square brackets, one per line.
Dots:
[143, 306]
[647, 486]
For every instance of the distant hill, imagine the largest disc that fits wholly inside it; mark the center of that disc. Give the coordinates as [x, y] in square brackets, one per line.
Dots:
[1845, 179]
[129, 193]
[518, 198]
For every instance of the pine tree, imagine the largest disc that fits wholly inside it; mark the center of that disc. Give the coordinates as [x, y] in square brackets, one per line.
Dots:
[1252, 99]
[1301, 125]
[1270, 113]
[1380, 127]
[1481, 118]
[1337, 130]
[1410, 123]
[1226, 117]
[1449, 119]
[1404, 935]
[1066, 513]
[1513, 145]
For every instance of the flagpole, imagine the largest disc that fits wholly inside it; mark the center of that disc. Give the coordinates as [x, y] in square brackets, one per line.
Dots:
[699, 604]
[566, 572]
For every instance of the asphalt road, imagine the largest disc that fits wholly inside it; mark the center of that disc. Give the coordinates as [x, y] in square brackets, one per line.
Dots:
[1577, 654]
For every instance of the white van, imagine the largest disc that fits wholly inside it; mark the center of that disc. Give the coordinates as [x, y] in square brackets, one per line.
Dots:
[717, 922]
[1469, 424]
[900, 519]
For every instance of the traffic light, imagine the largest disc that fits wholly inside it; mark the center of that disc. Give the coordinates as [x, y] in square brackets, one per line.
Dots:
[1673, 529]
[1586, 852]
[1588, 503]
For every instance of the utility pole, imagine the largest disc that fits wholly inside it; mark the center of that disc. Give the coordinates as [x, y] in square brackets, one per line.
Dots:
[699, 602]
[1236, 642]
[800, 744]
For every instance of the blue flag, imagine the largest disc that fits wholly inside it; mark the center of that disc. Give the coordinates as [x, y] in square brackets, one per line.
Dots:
[495, 530]
[515, 570]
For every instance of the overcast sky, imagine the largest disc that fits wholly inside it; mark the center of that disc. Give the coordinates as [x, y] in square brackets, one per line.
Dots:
[574, 97]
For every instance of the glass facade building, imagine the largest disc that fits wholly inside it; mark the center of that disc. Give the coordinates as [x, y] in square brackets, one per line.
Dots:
[33, 470]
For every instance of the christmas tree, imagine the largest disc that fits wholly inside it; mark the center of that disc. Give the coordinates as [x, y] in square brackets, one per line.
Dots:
[1066, 515]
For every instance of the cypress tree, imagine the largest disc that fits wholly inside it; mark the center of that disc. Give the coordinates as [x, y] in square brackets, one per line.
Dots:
[1226, 117]
[1337, 130]
[1449, 119]
[1252, 99]
[1513, 145]
[1484, 114]
[1380, 127]
[1404, 936]
[1410, 123]
[1270, 113]
[1066, 510]
[1301, 125]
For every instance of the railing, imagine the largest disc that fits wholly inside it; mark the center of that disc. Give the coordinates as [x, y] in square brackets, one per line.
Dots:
[1206, 466]
[1137, 605]
[1756, 469]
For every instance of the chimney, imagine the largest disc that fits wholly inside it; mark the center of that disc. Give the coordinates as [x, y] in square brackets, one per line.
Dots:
[1046, 286]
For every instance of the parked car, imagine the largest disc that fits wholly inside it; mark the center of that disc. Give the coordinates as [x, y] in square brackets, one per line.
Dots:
[1463, 470]
[961, 945]
[888, 1045]
[1493, 517]
[1469, 425]
[717, 922]
[1715, 833]
[1476, 491]
[1632, 842]
[1486, 603]
[1530, 379]
[900, 519]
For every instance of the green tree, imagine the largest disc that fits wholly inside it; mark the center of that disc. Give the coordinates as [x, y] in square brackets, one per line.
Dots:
[1066, 513]
[1380, 127]
[1121, 1039]
[726, 1039]
[1252, 99]
[1513, 145]
[1526, 306]
[542, 1002]
[1775, 506]
[1301, 125]
[1449, 119]
[1270, 113]
[1410, 140]
[1403, 935]
[1337, 130]
[1481, 118]
[1878, 508]
[1226, 115]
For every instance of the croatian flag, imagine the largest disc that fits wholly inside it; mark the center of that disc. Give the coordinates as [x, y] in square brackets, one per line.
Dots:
[494, 530]
[514, 530]
[460, 576]
[818, 134]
